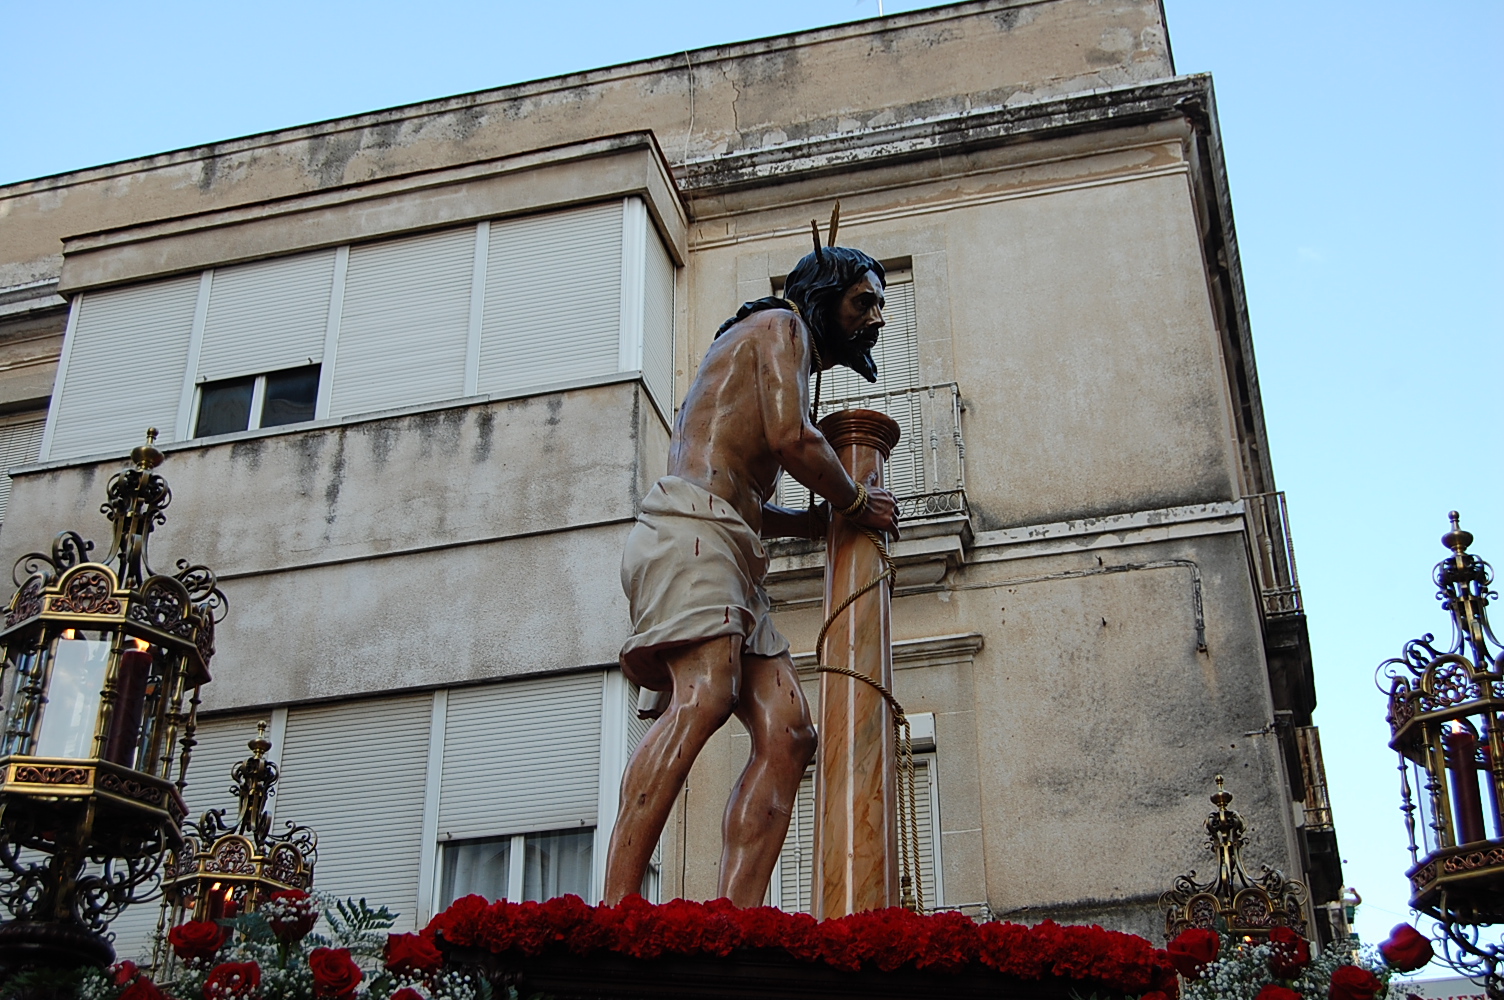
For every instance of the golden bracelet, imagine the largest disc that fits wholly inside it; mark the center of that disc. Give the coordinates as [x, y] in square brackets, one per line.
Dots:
[858, 505]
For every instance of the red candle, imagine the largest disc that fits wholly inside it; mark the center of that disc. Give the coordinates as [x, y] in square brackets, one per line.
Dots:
[1461, 755]
[130, 701]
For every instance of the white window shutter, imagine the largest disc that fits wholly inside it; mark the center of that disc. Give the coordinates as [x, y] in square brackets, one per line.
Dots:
[123, 368]
[552, 309]
[796, 869]
[521, 757]
[221, 743]
[795, 873]
[658, 322]
[266, 316]
[404, 324]
[355, 773]
[20, 444]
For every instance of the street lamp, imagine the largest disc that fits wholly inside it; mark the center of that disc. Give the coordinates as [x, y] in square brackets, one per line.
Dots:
[102, 664]
[1446, 711]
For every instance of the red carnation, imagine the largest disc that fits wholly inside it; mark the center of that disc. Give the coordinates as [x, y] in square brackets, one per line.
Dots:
[1350, 982]
[411, 955]
[1155, 995]
[1193, 951]
[142, 989]
[291, 914]
[1289, 953]
[407, 993]
[232, 979]
[197, 940]
[123, 972]
[1407, 949]
[334, 974]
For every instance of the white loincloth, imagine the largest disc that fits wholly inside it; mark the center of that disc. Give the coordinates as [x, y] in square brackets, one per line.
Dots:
[692, 570]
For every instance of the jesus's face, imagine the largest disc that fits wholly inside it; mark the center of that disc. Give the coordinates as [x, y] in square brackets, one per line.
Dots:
[858, 319]
[860, 315]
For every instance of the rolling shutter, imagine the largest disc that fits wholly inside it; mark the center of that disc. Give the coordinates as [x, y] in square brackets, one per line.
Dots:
[356, 773]
[221, 744]
[20, 444]
[796, 860]
[521, 757]
[266, 316]
[404, 326]
[552, 308]
[658, 323]
[124, 368]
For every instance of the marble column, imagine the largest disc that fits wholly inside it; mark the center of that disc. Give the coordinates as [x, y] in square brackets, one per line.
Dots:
[856, 787]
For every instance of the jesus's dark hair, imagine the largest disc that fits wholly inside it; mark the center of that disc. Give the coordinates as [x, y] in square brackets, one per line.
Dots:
[815, 286]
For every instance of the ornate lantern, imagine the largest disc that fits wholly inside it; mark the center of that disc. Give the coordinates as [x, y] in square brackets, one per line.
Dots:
[221, 870]
[1446, 711]
[1242, 904]
[99, 689]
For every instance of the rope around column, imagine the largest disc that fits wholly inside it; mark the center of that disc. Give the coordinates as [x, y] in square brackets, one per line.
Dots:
[911, 887]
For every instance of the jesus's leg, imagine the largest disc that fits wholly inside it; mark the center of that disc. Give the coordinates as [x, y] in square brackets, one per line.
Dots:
[706, 680]
[773, 708]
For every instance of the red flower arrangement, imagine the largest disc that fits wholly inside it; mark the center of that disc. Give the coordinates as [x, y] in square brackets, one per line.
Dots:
[197, 940]
[232, 979]
[1289, 953]
[1193, 950]
[335, 974]
[879, 939]
[1407, 949]
[1350, 982]
[137, 986]
[412, 955]
[291, 914]
[1276, 992]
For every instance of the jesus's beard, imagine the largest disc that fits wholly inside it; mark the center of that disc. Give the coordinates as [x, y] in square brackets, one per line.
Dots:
[856, 353]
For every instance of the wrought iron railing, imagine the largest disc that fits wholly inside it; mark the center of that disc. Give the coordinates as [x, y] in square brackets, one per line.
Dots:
[927, 471]
[1274, 553]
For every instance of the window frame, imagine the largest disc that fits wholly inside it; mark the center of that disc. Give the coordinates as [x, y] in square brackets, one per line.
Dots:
[258, 401]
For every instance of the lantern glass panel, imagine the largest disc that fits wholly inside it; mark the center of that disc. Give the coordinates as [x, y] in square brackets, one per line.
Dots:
[20, 675]
[79, 662]
[1425, 800]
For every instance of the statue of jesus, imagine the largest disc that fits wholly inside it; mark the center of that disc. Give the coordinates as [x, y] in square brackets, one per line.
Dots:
[694, 564]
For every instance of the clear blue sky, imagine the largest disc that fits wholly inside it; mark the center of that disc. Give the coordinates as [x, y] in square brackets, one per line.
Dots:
[1363, 143]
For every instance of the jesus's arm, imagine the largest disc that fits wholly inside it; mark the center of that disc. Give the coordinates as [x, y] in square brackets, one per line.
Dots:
[783, 393]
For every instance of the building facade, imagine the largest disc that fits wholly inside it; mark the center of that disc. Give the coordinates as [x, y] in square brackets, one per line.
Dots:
[412, 371]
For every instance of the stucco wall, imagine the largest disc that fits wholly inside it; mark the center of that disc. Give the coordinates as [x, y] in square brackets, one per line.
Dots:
[383, 553]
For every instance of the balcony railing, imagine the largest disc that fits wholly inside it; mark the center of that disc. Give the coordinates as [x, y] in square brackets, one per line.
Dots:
[1274, 553]
[927, 471]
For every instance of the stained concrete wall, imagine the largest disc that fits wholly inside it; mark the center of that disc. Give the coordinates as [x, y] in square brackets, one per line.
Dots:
[397, 552]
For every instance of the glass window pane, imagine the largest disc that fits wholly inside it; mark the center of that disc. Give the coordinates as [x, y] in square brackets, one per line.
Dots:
[224, 407]
[73, 691]
[477, 867]
[290, 396]
[557, 864]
